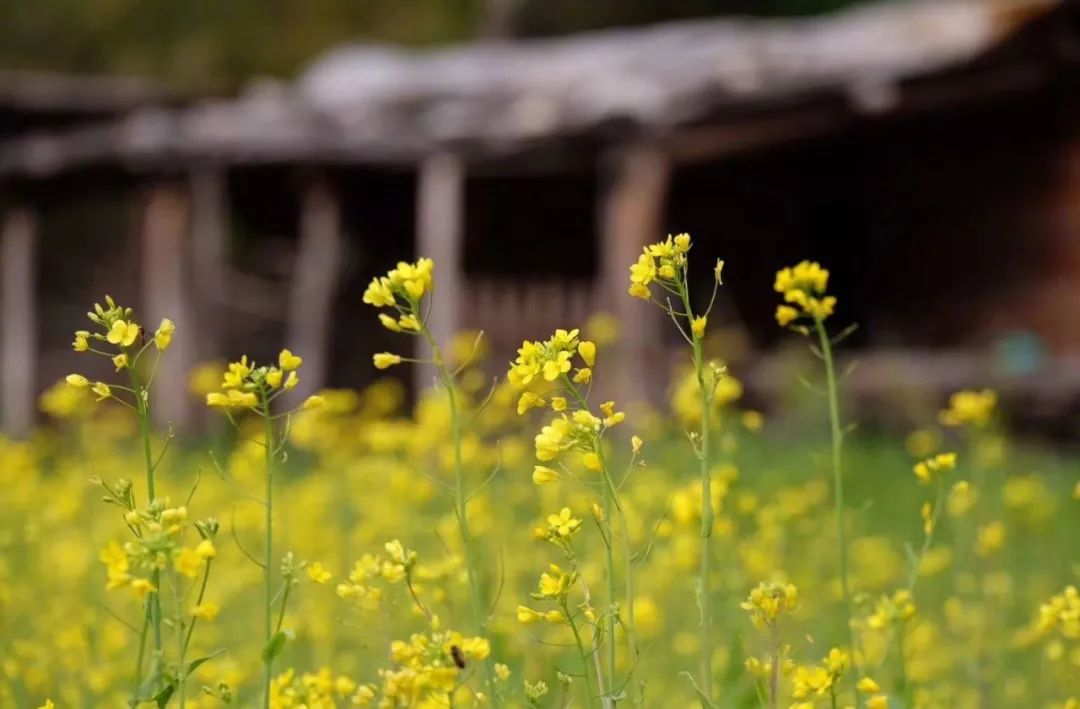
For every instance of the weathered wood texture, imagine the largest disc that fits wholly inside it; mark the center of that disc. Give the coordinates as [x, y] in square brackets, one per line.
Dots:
[315, 284]
[166, 293]
[440, 223]
[383, 104]
[18, 321]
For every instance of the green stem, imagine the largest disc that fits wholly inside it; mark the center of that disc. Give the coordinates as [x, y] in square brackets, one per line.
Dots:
[268, 553]
[838, 483]
[707, 520]
[142, 403]
[589, 684]
[461, 511]
[610, 558]
[181, 647]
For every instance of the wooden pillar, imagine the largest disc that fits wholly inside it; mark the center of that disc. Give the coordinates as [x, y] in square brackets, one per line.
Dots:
[315, 284]
[18, 313]
[440, 226]
[631, 216]
[209, 258]
[165, 294]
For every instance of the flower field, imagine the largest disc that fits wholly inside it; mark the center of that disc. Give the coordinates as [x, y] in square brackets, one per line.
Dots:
[521, 541]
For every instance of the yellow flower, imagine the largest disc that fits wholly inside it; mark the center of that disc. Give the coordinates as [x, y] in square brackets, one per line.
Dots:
[205, 550]
[288, 361]
[313, 402]
[164, 334]
[592, 462]
[102, 390]
[583, 376]
[318, 573]
[82, 341]
[291, 381]
[635, 444]
[141, 587]
[385, 360]
[769, 601]
[120, 361]
[990, 539]
[188, 562]
[502, 671]
[77, 380]
[543, 475]
[273, 378]
[48, 705]
[868, 686]
[389, 323]
[379, 293]
[969, 407]
[207, 610]
[122, 333]
[785, 315]
[587, 350]
[527, 615]
[698, 326]
[926, 470]
[529, 400]
[927, 513]
[563, 525]
[718, 271]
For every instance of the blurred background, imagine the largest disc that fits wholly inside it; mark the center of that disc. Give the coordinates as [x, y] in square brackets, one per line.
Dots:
[245, 168]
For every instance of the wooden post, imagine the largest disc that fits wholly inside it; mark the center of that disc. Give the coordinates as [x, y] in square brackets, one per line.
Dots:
[440, 225]
[209, 258]
[165, 294]
[631, 216]
[315, 284]
[18, 313]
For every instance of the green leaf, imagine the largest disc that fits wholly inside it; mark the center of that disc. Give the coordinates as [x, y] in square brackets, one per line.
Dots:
[274, 647]
[194, 664]
[162, 698]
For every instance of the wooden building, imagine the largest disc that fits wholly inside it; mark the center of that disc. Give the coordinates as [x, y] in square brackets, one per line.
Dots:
[927, 150]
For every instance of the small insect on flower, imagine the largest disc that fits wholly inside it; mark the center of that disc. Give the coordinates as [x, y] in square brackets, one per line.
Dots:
[458, 655]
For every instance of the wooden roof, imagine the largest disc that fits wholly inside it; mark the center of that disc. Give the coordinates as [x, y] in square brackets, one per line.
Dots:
[379, 104]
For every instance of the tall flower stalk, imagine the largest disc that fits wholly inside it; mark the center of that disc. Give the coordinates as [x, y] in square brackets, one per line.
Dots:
[405, 289]
[249, 388]
[546, 375]
[805, 309]
[666, 264]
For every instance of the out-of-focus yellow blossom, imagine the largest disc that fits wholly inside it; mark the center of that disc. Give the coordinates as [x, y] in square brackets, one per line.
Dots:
[990, 538]
[803, 287]
[968, 407]
[892, 610]
[769, 602]
[318, 573]
[927, 470]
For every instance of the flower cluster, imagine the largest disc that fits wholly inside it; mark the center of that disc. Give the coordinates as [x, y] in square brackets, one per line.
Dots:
[247, 385]
[928, 470]
[551, 360]
[890, 611]
[968, 407]
[402, 288]
[803, 287]
[317, 690]
[769, 602]
[819, 680]
[428, 667]
[158, 545]
[120, 338]
[662, 263]
[1062, 614]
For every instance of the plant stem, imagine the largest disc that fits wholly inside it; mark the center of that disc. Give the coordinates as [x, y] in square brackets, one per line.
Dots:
[610, 558]
[707, 521]
[461, 511]
[838, 482]
[153, 612]
[268, 553]
[584, 657]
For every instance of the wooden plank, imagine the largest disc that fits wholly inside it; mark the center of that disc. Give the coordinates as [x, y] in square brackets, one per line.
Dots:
[631, 216]
[18, 312]
[315, 284]
[165, 294]
[440, 222]
[209, 258]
